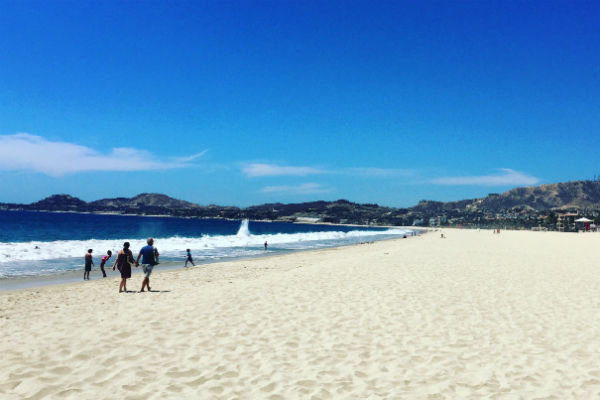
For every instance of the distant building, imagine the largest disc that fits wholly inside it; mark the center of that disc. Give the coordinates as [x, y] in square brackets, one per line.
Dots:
[566, 222]
[308, 220]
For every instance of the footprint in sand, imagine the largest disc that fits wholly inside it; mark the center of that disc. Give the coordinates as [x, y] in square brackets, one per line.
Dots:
[216, 389]
[60, 370]
[269, 388]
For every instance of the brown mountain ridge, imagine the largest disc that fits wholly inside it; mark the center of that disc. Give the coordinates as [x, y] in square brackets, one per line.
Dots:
[522, 204]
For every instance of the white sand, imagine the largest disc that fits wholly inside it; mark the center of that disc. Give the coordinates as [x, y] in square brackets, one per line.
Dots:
[476, 315]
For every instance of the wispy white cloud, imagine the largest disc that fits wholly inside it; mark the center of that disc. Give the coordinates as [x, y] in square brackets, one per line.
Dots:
[258, 169]
[305, 188]
[191, 158]
[380, 172]
[264, 169]
[28, 152]
[506, 177]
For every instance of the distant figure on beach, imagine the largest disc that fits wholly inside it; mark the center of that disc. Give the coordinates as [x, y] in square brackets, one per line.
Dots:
[149, 260]
[266, 245]
[189, 258]
[88, 265]
[123, 263]
[104, 260]
[442, 236]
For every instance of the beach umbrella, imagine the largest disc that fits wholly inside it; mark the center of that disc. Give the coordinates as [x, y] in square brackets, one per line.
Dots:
[585, 222]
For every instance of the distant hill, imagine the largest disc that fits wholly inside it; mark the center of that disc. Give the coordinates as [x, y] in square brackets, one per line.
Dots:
[526, 207]
[580, 195]
[576, 195]
[58, 202]
[142, 204]
[143, 200]
[341, 211]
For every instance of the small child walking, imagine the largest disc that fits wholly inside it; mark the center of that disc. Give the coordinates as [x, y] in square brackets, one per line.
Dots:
[189, 258]
[88, 265]
[104, 260]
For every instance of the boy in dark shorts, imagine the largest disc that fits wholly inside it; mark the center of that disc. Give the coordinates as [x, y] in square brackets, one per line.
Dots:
[88, 265]
[189, 259]
[104, 260]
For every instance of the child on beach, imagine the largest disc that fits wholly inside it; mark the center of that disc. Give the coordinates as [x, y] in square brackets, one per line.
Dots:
[104, 260]
[189, 258]
[88, 265]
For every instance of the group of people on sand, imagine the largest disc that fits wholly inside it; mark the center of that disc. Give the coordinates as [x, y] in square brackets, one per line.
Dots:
[124, 260]
[148, 254]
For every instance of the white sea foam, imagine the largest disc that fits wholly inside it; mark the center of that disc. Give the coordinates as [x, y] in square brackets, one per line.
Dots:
[244, 230]
[210, 246]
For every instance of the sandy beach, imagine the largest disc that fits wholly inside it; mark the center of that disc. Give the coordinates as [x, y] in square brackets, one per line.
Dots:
[475, 315]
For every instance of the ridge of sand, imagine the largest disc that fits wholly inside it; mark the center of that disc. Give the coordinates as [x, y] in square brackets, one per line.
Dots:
[474, 315]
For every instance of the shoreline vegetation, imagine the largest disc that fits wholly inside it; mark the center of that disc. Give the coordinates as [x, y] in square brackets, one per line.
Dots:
[544, 207]
[472, 315]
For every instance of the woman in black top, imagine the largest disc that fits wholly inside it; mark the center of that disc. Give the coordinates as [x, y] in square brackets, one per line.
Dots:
[123, 263]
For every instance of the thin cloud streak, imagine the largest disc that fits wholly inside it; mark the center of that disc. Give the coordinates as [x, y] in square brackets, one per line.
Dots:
[380, 172]
[305, 188]
[26, 152]
[191, 158]
[258, 169]
[265, 169]
[507, 177]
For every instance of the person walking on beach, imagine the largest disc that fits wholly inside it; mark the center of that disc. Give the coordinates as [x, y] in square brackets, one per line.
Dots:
[189, 258]
[149, 260]
[104, 260]
[88, 265]
[123, 263]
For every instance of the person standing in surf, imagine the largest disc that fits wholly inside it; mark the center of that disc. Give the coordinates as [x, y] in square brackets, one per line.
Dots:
[149, 260]
[123, 263]
[88, 265]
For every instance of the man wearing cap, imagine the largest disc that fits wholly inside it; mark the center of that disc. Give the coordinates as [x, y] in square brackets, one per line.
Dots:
[149, 256]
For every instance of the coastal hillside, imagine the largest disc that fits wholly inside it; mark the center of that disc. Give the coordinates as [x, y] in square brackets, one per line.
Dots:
[142, 201]
[142, 204]
[576, 195]
[579, 195]
[521, 207]
[57, 202]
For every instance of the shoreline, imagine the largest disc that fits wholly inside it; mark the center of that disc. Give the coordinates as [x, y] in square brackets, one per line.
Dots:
[75, 276]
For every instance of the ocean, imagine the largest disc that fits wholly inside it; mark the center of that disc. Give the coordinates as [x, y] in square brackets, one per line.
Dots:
[42, 244]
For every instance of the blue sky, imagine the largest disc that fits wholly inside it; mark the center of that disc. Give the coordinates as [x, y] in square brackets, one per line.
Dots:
[241, 103]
